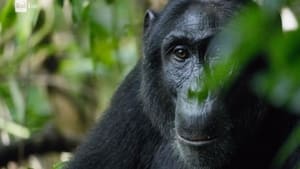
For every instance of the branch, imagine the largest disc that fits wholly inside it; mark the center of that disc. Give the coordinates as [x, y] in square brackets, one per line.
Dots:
[49, 140]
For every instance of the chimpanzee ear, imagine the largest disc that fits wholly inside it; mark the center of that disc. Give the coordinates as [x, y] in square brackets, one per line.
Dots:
[149, 19]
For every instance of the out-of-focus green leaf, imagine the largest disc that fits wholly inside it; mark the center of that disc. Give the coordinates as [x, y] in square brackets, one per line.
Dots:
[292, 143]
[5, 93]
[80, 10]
[237, 45]
[103, 51]
[24, 25]
[38, 110]
[14, 129]
[7, 14]
[281, 82]
[60, 165]
[110, 1]
[77, 66]
[18, 100]
[60, 2]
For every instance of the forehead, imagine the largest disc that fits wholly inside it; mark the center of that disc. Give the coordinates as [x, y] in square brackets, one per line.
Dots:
[194, 19]
[201, 17]
[198, 19]
[198, 15]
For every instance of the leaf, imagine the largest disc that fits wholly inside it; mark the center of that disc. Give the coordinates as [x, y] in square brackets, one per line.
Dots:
[7, 15]
[109, 1]
[60, 3]
[60, 165]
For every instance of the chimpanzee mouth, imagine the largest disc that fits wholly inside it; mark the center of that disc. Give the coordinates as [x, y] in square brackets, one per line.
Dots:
[197, 141]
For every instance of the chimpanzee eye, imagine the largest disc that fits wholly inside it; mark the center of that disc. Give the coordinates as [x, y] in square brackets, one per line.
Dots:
[181, 53]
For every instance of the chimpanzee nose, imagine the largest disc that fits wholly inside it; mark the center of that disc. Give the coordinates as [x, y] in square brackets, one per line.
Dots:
[194, 121]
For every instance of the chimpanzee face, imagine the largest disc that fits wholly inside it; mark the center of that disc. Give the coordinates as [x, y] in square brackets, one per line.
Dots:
[179, 53]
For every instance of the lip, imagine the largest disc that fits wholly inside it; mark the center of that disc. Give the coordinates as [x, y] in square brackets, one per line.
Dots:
[196, 142]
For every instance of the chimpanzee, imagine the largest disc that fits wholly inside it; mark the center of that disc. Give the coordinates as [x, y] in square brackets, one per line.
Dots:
[152, 123]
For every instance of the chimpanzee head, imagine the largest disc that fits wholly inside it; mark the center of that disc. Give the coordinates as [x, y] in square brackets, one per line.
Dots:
[178, 54]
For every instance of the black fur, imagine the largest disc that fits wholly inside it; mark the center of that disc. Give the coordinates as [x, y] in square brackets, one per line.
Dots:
[150, 110]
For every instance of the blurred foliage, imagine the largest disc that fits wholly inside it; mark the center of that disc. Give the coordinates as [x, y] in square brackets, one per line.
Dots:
[257, 33]
[59, 165]
[89, 38]
[62, 59]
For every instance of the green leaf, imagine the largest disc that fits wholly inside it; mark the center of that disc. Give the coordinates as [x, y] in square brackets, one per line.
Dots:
[60, 3]
[60, 165]
[291, 145]
[7, 14]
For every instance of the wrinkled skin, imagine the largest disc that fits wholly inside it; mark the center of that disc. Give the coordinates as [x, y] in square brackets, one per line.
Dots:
[153, 124]
[203, 130]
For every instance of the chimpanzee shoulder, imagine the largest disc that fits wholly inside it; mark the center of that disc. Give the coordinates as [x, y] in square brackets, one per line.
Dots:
[124, 137]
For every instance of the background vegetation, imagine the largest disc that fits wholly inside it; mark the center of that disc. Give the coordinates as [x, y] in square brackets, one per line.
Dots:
[61, 61]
